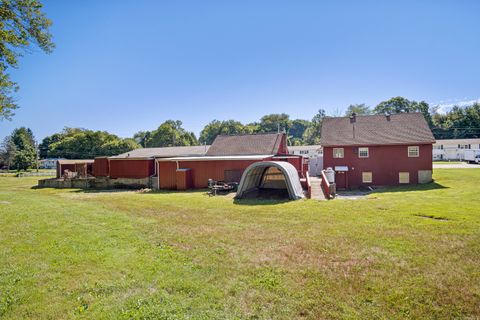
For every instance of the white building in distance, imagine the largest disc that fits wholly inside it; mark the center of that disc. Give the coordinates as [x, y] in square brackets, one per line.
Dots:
[454, 149]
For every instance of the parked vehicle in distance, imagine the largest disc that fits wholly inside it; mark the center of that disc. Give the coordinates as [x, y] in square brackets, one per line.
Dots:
[472, 156]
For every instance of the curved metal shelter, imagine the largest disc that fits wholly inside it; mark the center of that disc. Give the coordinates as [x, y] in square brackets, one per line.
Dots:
[270, 175]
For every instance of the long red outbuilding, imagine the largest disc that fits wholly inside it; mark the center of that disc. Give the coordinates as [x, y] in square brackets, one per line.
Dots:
[225, 160]
[193, 166]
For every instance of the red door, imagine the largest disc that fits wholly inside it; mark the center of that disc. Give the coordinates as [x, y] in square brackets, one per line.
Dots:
[341, 179]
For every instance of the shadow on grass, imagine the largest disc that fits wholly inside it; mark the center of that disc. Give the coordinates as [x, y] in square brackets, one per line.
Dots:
[259, 202]
[411, 188]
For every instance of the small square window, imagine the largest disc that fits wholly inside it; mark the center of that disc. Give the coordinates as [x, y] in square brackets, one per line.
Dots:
[404, 177]
[363, 152]
[413, 152]
[366, 177]
[338, 152]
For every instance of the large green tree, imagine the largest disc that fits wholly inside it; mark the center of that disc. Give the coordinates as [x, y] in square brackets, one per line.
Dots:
[358, 109]
[458, 123]
[170, 134]
[217, 127]
[274, 122]
[76, 143]
[25, 150]
[312, 134]
[23, 25]
[297, 130]
[23, 138]
[8, 149]
[403, 105]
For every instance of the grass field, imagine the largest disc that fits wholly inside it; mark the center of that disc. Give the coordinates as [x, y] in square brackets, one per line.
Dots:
[448, 162]
[410, 252]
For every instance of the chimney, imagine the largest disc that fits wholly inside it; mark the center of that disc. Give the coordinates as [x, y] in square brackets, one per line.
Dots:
[353, 118]
[387, 115]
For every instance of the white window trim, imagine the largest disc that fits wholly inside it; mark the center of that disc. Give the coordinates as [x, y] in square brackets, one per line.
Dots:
[363, 177]
[364, 149]
[407, 174]
[417, 148]
[335, 153]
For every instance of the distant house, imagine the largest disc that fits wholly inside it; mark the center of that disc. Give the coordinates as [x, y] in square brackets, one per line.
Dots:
[454, 149]
[311, 151]
[378, 149]
[50, 163]
[313, 155]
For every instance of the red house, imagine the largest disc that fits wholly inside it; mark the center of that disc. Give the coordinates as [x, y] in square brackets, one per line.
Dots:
[378, 149]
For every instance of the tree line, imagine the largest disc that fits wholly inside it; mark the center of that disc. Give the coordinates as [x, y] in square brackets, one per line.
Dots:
[19, 150]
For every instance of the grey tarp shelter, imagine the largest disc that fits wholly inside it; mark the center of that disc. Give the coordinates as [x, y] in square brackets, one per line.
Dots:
[253, 178]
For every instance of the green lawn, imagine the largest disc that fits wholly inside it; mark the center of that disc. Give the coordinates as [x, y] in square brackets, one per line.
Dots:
[405, 253]
[447, 162]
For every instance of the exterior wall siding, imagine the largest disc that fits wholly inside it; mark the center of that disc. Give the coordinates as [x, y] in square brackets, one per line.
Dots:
[134, 169]
[384, 162]
[166, 172]
[101, 167]
[201, 171]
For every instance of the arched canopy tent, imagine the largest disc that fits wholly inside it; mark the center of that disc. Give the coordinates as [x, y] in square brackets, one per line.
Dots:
[273, 176]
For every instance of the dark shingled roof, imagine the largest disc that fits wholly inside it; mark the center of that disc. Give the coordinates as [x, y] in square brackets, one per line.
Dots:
[165, 152]
[404, 128]
[246, 144]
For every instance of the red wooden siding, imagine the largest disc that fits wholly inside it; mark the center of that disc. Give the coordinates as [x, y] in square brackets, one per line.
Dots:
[101, 167]
[283, 145]
[201, 171]
[184, 179]
[384, 162]
[132, 169]
[167, 178]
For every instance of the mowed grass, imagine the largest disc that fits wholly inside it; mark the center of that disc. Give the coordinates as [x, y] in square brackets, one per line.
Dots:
[409, 252]
[448, 162]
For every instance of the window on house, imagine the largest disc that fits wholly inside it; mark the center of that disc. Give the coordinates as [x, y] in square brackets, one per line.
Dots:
[338, 152]
[404, 177]
[363, 152]
[366, 177]
[413, 151]
[303, 152]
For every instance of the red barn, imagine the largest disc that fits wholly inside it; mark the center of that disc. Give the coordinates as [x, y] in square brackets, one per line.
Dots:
[225, 160]
[138, 166]
[378, 149]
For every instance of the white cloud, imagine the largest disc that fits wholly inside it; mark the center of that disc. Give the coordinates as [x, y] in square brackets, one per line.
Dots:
[445, 106]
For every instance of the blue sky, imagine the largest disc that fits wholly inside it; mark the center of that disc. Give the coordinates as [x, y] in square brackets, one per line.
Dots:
[125, 66]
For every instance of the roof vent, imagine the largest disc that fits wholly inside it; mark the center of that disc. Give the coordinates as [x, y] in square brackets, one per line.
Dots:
[353, 118]
[387, 115]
